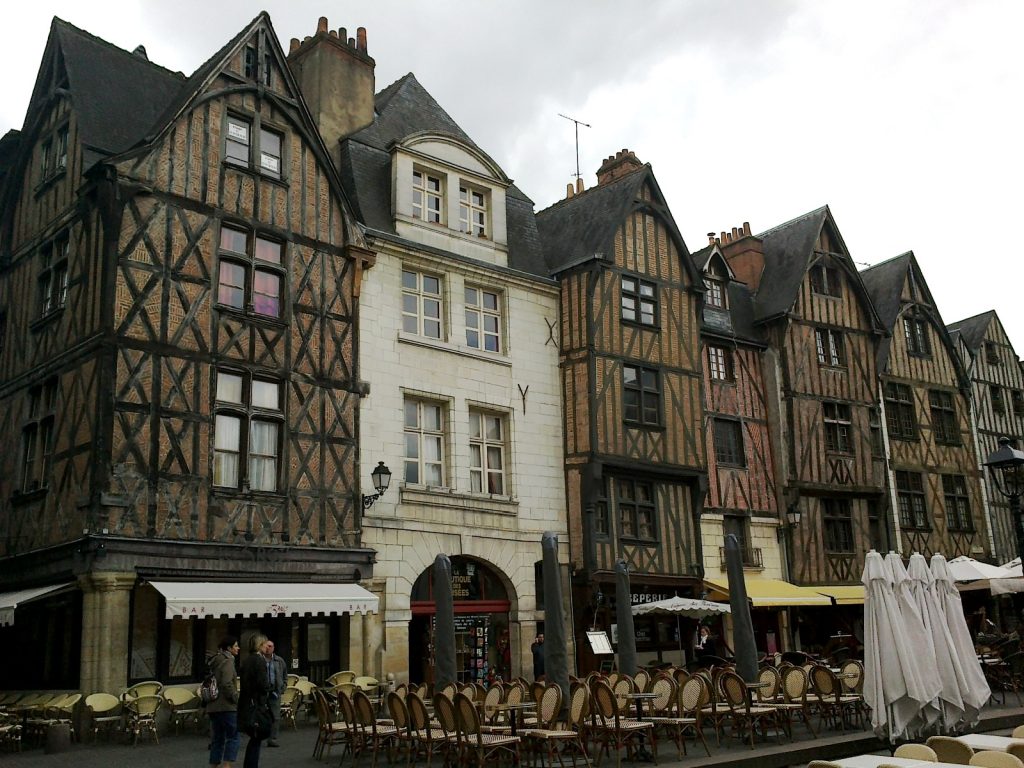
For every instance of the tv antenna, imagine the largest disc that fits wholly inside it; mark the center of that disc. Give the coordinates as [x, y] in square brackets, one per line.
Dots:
[577, 123]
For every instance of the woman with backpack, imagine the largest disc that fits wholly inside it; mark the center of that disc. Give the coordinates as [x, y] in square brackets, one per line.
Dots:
[223, 710]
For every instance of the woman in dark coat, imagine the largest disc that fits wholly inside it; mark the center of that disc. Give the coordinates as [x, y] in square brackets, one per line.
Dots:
[222, 710]
[254, 693]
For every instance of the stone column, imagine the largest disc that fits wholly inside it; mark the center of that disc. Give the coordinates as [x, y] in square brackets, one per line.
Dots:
[106, 601]
[395, 655]
[356, 661]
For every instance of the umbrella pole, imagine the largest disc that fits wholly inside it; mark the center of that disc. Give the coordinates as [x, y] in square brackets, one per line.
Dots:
[679, 637]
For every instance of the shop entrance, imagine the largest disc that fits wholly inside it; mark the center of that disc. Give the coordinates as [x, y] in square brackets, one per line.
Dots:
[482, 606]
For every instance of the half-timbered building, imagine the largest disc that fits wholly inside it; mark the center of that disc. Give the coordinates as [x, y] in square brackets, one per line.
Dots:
[459, 346]
[823, 335]
[739, 418]
[997, 384]
[629, 346]
[935, 498]
[178, 375]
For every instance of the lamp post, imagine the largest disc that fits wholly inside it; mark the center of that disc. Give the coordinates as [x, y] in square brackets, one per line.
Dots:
[381, 476]
[1006, 467]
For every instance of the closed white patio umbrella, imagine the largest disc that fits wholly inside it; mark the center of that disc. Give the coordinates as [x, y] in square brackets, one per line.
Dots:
[893, 688]
[976, 691]
[950, 703]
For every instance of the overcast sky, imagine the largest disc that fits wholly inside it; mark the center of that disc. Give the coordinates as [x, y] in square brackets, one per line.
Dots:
[905, 117]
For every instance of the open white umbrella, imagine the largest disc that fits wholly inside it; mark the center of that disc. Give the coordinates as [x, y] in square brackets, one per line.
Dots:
[967, 569]
[1013, 583]
[977, 690]
[939, 645]
[892, 687]
[917, 632]
[681, 606]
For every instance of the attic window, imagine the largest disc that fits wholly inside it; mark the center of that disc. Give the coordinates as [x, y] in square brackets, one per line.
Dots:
[472, 211]
[238, 146]
[916, 331]
[427, 197]
[715, 280]
[826, 280]
[992, 353]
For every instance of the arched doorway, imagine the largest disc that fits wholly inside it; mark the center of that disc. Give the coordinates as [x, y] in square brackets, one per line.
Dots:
[481, 624]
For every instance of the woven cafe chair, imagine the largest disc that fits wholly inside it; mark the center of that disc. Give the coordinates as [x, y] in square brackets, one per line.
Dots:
[680, 675]
[770, 685]
[399, 712]
[794, 697]
[609, 729]
[916, 752]
[641, 680]
[680, 713]
[622, 688]
[547, 716]
[950, 750]
[345, 676]
[430, 738]
[376, 734]
[492, 699]
[184, 706]
[450, 690]
[142, 712]
[1018, 732]
[823, 764]
[291, 700]
[1017, 750]
[833, 704]
[743, 713]
[330, 731]
[557, 738]
[713, 709]
[104, 712]
[475, 746]
[992, 759]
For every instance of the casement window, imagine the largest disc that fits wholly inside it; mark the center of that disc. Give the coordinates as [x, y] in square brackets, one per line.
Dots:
[37, 436]
[995, 394]
[248, 423]
[427, 197]
[641, 395]
[837, 523]
[739, 526]
[826, 280]
[639, 301]
[424, 442]
[830, 347]
[876, 536]
[637, 509]
[250, 272]
[483, 319]
[728, 435]
[910, 500]
[720, 363]
[1017, 403]
[53, 277]
[838, 435]
[601, 522]
[487, 435]
[239, 149]
[46, 160]
[875, 425]
[899, 412]
[916, 331]
[472, 211]
[944, 424]
[958, 503]
[421, 304]
[60, 149]
[992, 353]
[716, 281]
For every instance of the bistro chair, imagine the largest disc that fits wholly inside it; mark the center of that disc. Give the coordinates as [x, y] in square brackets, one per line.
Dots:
[823, 764]
[427, 737]
[794, 697]
[147, 688]
[1017, 750]
[104, 712]
[184, 706]
[745, 714]
[399, 712]
[669, 712]
[291, 700]
[375, 734]
[556, 738]
[331, 731]
[641, 680]
[1018, 732]
[610, 729]
[345, 676]
[142, 711]
[950, 750]
[833, 704]
[475, 746]
[992, 759]
[916, 752]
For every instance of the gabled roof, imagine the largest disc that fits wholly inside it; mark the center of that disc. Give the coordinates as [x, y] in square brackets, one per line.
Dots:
[584, 225]
[403, 109]
[740, 311]
[884, 283]
[972, 329]
[117, 95]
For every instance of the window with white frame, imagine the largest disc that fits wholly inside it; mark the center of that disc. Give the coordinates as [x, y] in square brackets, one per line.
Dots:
[421, 304]
[37, 436]
[424, 442]
[247, 430]
[472, 211]
[427, 197]
[53, 276]
[639, 301]
[487, 435]
[720, 363]
[250, 271]
[830, 347]
[483, 319]
[716, 280]
[239, 149]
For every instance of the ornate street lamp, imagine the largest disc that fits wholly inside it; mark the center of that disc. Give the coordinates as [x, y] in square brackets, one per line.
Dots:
[1006, 466]
[381, 480]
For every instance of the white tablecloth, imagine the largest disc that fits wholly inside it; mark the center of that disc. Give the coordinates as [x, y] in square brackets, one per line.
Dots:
[980, 741]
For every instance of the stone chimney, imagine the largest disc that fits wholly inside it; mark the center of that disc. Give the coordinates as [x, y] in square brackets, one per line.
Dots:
[335, 74]
[744, 253]
[617, 166]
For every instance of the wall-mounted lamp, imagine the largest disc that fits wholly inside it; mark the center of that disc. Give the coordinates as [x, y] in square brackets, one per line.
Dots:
[381, 476]
[793, 514]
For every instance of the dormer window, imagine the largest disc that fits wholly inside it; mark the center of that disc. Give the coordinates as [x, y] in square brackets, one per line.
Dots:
[716, 280]
[826, 280]
[472, 211]
[427, 197]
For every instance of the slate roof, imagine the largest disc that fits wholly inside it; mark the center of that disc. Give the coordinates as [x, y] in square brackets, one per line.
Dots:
[788, 249]
[972, 330]
[741, 303]
[884, 283]
[403, 109]
[118, 95]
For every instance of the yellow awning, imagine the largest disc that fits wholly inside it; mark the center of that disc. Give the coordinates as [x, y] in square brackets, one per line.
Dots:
[844, 594]
[770, 593]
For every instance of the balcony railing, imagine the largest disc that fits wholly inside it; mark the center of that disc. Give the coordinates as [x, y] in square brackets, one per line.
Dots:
[752, 557]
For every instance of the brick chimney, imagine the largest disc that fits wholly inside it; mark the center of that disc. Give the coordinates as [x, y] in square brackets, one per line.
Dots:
[618, 165]
[744, 254]
[336, 78]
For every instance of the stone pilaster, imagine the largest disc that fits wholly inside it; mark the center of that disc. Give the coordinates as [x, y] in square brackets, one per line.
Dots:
[106, 601]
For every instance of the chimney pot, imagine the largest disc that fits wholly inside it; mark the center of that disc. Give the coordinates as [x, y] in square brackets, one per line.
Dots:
[711, 238]
[140, 51]
[321, 25]
[361, 39]
[351, 42]
[568, 190]
[342, 34]
[746, 227]
[724, 237]
[294, 45]
[333, 33]
[735, 233]
[579, 184]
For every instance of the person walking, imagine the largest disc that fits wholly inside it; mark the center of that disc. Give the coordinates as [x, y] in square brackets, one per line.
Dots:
[223, 711]
[253, 699]
[538, 657]
[277, 672]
